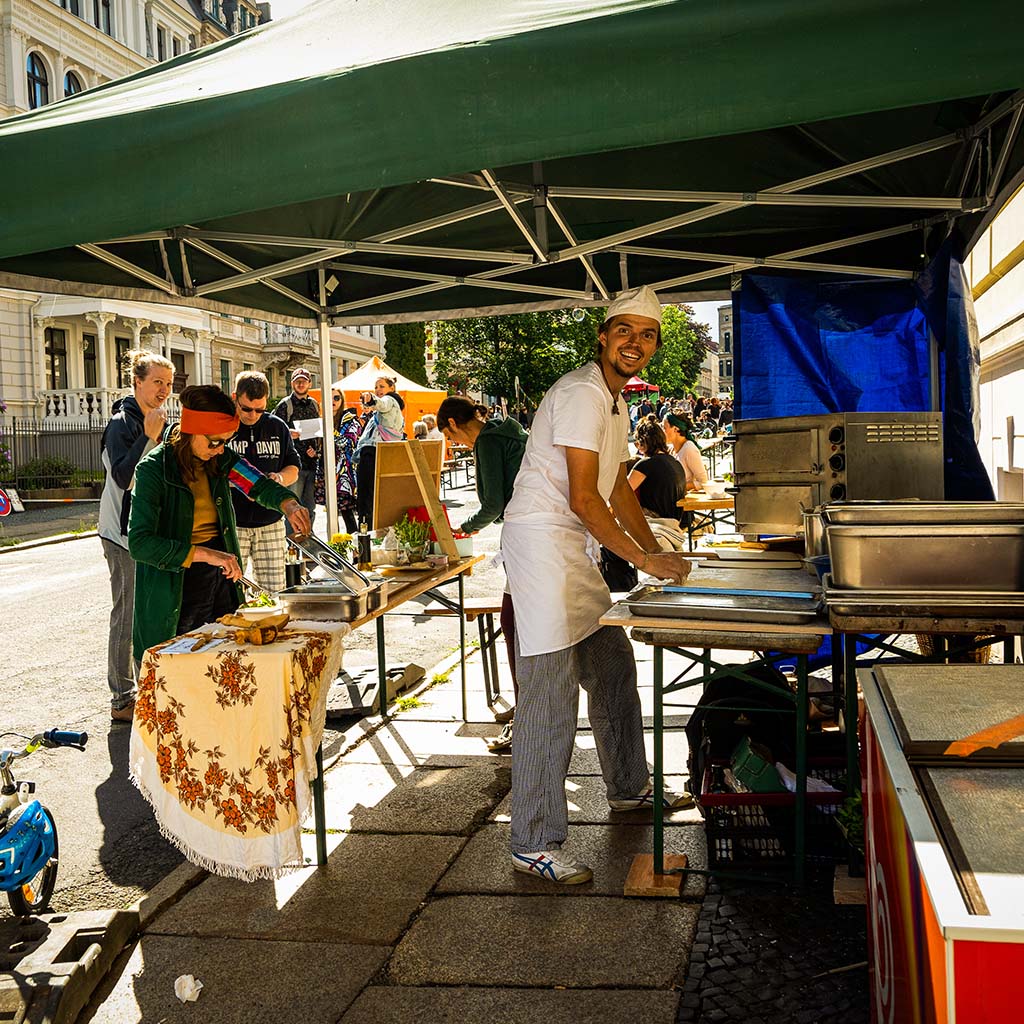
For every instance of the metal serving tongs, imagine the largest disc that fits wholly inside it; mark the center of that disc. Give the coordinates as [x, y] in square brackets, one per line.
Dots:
[254, 588]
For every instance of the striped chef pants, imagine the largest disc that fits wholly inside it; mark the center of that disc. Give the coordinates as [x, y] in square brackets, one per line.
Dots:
[545, 731]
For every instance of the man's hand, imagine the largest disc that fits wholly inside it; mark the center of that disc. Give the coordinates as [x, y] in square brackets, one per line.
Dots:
[295, 434]
[298, 516]
[666, 565]
[311, 452]
[154, 423]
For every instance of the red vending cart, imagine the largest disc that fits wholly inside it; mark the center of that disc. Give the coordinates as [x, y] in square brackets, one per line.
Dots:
[944, 836]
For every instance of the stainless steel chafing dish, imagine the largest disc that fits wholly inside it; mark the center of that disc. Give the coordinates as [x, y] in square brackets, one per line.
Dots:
[347, 596]
[671, 602]
[928, 557]
[910, 513]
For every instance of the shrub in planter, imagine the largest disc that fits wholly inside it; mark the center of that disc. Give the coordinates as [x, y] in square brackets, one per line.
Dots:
[50, 471]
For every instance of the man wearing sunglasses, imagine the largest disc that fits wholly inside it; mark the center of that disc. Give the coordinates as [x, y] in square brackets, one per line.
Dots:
[266, 443]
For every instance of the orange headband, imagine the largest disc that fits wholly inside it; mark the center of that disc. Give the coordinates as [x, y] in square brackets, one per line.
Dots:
[195, 422]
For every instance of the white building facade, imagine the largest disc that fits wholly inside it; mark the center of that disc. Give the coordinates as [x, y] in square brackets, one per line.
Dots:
[61, 356]
[995, 269]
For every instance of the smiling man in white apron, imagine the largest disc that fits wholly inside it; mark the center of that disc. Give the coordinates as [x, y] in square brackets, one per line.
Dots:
[573, 469]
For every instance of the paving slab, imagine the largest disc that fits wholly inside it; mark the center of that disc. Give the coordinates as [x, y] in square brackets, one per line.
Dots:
[243, 981]
[484, 865]
[405, 742]
[573, 940]
[585, 762]
[367, 893]
[440, 801]
[400, 1005]
[588, 804]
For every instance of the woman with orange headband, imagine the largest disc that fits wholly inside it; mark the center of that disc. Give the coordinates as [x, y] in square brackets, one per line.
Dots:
[181, 532]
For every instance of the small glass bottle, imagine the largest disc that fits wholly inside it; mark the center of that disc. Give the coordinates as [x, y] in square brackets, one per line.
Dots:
[363, 546]
[292, 568]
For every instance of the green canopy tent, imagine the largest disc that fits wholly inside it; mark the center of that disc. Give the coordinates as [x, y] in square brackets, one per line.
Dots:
[372, 161]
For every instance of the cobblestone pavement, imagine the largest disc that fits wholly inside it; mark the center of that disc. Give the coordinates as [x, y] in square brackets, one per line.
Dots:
[762, 953]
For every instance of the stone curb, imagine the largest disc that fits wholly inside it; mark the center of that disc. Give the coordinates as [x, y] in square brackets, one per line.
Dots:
[60, 538]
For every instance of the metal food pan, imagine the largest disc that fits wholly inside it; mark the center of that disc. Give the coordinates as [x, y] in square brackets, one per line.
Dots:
[331, 562]
[982, 604]
[910, 513]
[655, 602]
[939, 558]
[320, 601]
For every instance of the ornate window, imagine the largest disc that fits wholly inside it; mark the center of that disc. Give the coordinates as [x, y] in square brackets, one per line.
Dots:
[101, 15]
[56, 347]
[161, 43]
[124, 374]
[225, 375]
[72, 84]
[73, 6]
[38, 82]
[89, 359]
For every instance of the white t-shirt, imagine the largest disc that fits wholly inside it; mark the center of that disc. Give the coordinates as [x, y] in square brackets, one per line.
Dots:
[575, 413]
[693, 462]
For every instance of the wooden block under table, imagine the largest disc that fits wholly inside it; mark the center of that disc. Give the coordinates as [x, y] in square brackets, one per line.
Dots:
[642, 881]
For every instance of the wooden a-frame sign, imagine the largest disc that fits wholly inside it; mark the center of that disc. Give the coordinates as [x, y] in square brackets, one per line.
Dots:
[407, 475]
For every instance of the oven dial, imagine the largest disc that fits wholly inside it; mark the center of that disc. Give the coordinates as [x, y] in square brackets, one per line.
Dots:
[837, 462]
[838, 492]
[837, 435]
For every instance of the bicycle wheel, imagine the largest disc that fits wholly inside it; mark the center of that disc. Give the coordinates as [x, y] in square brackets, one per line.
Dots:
[33, 896]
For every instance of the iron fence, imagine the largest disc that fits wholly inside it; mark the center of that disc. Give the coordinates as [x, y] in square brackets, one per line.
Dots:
[46, 453]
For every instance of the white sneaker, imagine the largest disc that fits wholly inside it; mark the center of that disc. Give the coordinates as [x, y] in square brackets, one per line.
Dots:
[502, 743]
[552, 865]
[645, 800]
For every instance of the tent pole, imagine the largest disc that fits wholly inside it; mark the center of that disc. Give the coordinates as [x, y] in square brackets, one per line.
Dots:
[326, 410]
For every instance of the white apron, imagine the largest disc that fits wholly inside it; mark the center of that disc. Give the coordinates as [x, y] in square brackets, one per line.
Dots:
[557, 589]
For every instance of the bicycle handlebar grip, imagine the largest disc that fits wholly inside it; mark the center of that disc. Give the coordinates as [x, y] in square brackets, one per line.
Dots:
[64, 738]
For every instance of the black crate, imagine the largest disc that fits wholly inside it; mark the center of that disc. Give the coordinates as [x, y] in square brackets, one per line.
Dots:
[746, 830]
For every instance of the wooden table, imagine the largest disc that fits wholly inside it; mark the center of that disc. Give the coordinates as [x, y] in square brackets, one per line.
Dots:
[712, 447]
[407, 585]
[704, 511]
[677, 635]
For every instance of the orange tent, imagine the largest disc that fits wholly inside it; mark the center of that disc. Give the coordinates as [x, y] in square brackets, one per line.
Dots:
[418, 399]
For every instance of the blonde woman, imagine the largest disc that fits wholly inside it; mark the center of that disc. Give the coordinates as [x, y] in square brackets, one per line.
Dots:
[135, 428]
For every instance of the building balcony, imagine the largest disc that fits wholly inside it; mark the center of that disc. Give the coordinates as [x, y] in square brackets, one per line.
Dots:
[79, 405]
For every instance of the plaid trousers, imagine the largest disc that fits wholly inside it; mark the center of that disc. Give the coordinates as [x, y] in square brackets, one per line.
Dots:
[266, 545]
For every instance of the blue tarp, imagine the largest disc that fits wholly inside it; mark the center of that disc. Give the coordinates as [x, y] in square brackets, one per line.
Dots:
[808, 344]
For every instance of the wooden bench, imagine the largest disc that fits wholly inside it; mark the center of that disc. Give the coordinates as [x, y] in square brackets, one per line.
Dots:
[481, 611]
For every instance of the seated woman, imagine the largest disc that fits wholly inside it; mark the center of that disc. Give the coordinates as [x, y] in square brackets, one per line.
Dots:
[658, 479]
[181, 532]
[679, 433]
[498, 447]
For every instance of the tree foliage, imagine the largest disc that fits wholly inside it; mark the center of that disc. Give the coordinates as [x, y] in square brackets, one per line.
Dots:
[675, 367]
[489, 353]
[405, 350]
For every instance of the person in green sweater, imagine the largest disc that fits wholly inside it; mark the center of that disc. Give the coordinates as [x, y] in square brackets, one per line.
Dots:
[181, 532]
[498, 450]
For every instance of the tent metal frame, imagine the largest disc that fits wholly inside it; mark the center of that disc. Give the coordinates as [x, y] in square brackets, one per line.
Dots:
[326, 254]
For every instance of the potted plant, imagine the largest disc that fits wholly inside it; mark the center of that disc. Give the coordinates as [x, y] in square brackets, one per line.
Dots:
[412, 537]
[342, 543]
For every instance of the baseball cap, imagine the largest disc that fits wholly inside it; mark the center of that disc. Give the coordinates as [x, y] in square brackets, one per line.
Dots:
[300, 372]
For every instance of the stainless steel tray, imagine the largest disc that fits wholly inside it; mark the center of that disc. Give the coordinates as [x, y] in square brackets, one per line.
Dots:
[909, 513]
[940, 558]
[657, 602]
[331, 601]
[967, 604]
[331, 562]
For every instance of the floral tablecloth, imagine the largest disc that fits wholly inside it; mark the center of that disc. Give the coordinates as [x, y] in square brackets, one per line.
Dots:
[224, 745]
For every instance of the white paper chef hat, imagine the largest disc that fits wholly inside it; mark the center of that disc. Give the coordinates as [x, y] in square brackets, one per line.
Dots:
[636, 301]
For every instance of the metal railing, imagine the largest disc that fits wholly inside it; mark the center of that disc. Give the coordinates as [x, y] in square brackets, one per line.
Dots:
[46, 453]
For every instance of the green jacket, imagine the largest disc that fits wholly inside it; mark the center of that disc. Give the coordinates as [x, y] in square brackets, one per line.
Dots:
[160, 532]
[497, 453]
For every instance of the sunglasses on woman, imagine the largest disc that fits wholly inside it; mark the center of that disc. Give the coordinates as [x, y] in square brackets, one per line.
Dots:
[218, 442]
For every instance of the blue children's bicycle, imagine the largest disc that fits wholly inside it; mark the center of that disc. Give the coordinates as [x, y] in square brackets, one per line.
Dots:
[28, 833]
